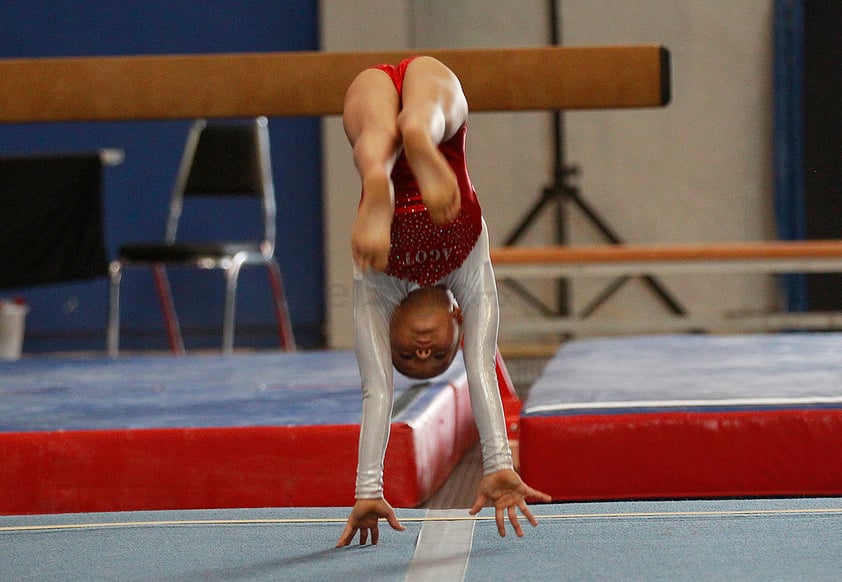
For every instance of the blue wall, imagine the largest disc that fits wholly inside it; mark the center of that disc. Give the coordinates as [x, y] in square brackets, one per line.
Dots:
[73, 316]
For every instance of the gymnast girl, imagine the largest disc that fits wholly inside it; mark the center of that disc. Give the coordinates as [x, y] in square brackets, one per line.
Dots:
[423, 281]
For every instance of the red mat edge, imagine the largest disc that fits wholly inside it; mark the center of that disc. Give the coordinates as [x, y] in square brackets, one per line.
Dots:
[228, 467]
[683, 454]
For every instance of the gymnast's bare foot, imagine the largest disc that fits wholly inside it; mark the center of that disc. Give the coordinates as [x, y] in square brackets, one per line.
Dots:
[371, 235]
[436, 180]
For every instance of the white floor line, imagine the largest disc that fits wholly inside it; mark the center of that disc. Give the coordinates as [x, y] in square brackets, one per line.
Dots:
[443, 548]
[441, 517]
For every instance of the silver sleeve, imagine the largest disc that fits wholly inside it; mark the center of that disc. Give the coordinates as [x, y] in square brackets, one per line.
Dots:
[475, 289]
[375, 298]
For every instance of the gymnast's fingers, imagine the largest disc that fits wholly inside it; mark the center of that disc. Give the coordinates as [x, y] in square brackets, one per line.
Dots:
[347, 535]
[393, 521]
[536, 495]
[375, 535]
[527, 513]
[501, 521]
[479, 503]
[363, 536]
[514, 521]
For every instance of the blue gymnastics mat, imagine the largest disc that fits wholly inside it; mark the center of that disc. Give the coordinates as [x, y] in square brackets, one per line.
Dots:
[263, 429]
[687, 416]
[207, 391]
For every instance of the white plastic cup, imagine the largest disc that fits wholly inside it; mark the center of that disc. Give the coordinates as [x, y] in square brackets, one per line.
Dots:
[12, 320]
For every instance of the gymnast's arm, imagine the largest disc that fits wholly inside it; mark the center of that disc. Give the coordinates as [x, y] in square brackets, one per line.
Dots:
[375, 298]
[373, 306]
[475, 289]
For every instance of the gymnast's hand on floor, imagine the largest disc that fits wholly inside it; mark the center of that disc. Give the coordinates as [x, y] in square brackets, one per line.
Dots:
[364, 518]
[506, 491]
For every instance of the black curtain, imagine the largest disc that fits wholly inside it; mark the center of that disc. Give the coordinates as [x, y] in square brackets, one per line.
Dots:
[822, 92]
[51, 227]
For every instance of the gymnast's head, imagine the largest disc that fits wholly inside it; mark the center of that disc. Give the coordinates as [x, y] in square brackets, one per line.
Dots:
[426, 331]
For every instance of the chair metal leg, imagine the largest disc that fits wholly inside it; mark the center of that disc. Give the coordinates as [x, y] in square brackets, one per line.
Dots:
[162, 285]
[281, 309]
[232, 274]
[115, 273]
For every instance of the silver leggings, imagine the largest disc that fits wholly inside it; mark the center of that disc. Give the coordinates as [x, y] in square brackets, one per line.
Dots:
[375, 297]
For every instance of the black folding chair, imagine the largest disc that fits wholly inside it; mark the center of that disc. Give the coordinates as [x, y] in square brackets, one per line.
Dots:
[220, 161]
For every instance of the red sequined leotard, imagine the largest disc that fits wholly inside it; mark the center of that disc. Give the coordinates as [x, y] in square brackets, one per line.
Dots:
[424, 252]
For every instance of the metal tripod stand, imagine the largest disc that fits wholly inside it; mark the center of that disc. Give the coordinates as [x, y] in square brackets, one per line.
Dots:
[558, 195]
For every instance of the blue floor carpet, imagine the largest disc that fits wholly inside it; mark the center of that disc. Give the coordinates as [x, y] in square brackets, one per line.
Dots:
[785, 539]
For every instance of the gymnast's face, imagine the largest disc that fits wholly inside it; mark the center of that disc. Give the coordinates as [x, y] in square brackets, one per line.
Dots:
[426, 330]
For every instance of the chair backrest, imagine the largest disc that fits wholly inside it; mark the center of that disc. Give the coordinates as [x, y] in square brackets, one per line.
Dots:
[229, 159]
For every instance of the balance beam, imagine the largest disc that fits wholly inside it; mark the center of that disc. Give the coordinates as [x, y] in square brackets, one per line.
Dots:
[815, 256]
[761, 257]
[314, 83]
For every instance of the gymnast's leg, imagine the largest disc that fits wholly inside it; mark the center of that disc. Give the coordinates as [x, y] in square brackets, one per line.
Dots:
[370, 120]
[378, 122]
[434, 108]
